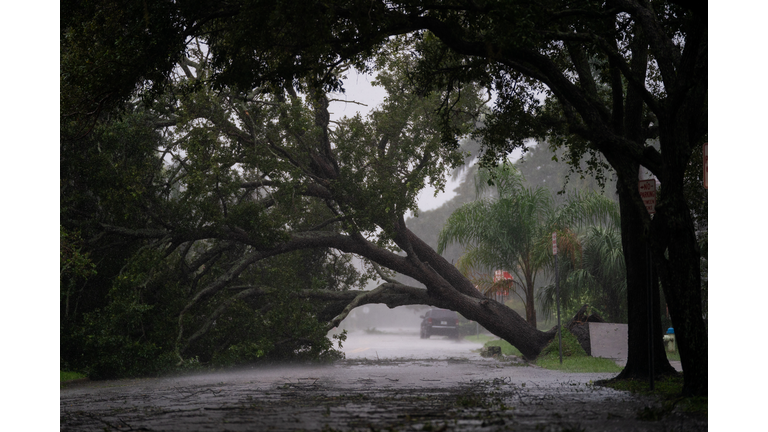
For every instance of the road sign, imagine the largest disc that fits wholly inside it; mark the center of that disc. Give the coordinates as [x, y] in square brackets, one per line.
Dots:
[648, 194]
[501, 275]
[554, 243]
[706, 166]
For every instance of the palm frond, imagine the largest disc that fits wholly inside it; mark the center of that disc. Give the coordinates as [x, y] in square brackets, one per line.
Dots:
[512, 230]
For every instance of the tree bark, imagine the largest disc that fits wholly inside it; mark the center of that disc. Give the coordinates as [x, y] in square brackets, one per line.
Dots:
[681, 273]
[678, 259]
[446, 287]
[492, 315]
[635, 243]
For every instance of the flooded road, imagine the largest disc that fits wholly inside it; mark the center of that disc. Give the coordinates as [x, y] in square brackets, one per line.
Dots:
[397, 343]
[388, 382]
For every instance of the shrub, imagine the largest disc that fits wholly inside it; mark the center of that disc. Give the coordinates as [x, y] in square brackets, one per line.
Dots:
[571, 346]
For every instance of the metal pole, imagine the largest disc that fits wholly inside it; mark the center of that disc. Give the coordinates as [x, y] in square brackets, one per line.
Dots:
[650, 316]
[557, 300]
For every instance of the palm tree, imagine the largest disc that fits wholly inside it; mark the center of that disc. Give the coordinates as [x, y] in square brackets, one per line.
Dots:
[599, 278]
[505, 231]
[512, 231]
[595, 272]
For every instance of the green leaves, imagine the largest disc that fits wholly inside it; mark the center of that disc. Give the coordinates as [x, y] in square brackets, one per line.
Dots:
[598, 278]
[512, 231]
[73, 262]
[506, 232]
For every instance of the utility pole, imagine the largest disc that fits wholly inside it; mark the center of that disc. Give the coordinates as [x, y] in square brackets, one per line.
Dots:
[557, 297]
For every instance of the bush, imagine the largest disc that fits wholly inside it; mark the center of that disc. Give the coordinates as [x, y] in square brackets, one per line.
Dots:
[134, 332]
[571, 346]
[70, 376]
[116, 356]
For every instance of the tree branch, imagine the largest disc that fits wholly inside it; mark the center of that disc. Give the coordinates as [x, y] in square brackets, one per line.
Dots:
[390, 294]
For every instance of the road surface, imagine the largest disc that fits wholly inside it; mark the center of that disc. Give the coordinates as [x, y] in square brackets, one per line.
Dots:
[388, 382]
[406, 344]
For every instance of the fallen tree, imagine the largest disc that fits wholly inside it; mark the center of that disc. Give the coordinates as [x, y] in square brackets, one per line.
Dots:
[259, 175]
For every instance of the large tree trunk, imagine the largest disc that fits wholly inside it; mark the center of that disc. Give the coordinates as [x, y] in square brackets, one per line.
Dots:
[448, 288]
[678, 259]
[682, 290]
[492, 315]
[636, 251]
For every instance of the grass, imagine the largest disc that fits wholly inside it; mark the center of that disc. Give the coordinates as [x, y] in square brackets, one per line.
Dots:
[506, 348]
[669, 389]
[575, 359]
[70, 376]
[673, 356]
[579, 364]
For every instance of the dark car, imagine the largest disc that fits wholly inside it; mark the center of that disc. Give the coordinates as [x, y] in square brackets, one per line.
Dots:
[441, 322]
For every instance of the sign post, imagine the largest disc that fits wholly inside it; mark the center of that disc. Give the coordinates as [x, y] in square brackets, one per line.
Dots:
[647, 189]
[557, 297]
[706, 166]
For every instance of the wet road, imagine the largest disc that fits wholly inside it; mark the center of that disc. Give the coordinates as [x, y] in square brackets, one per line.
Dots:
[406, 344]
[388, 382]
